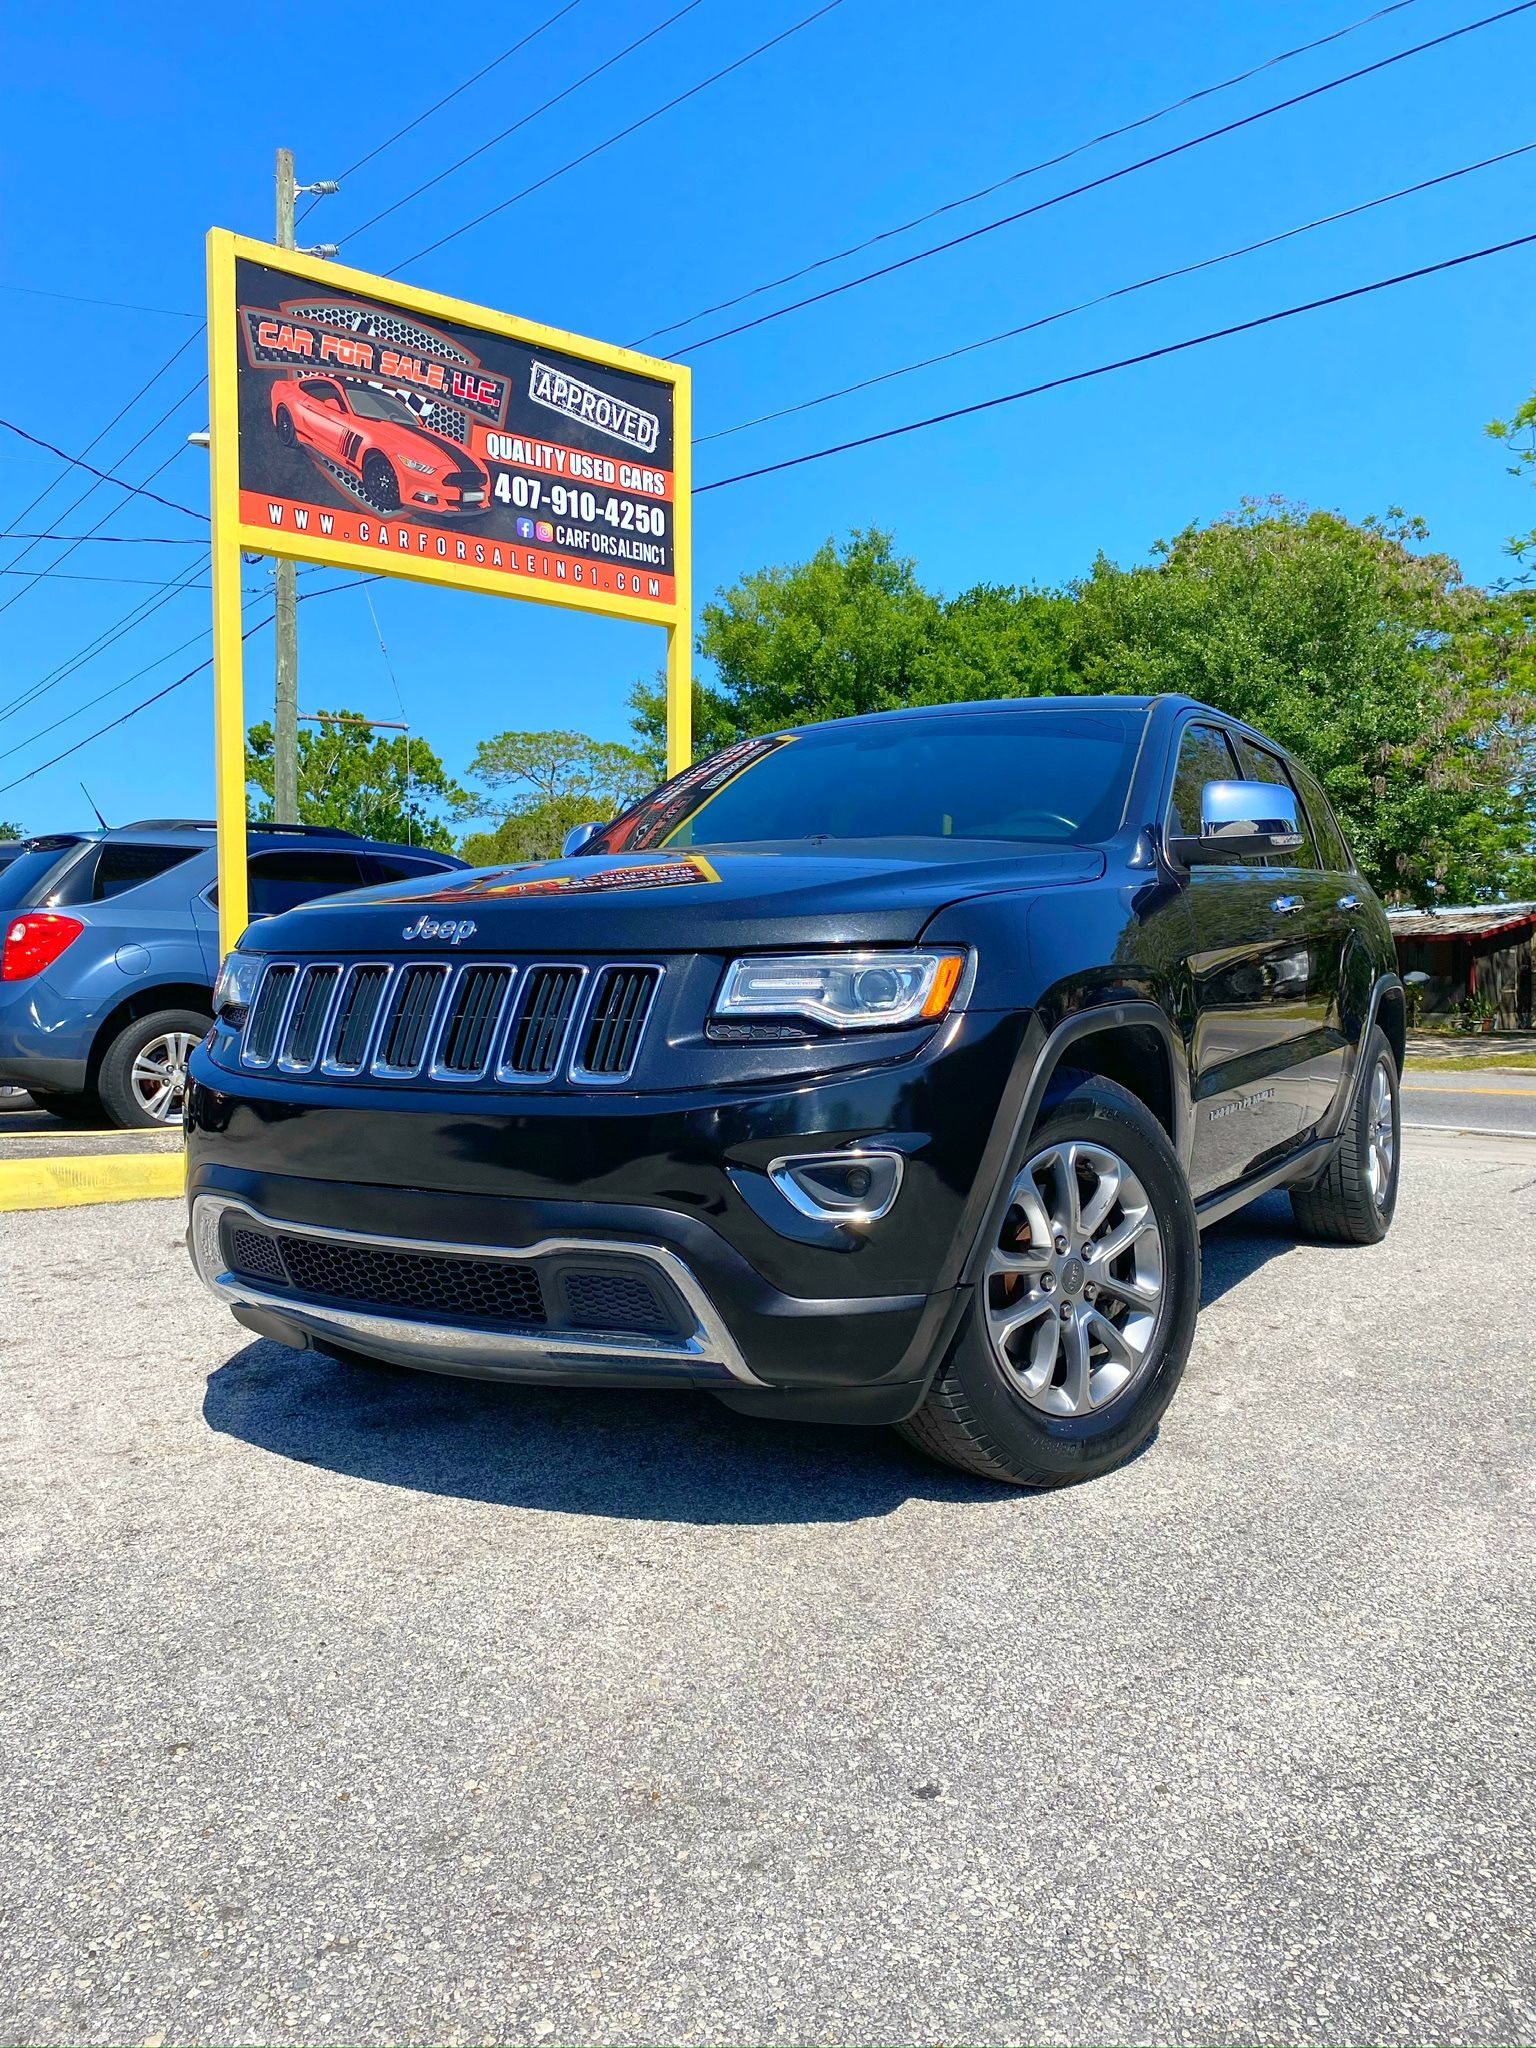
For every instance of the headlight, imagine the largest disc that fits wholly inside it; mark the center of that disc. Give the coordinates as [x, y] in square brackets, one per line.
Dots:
[236, 985]
[424, 467]
[849, 991]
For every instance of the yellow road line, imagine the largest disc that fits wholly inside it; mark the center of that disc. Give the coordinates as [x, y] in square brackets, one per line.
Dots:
[70, 1181]
[1441, 1088]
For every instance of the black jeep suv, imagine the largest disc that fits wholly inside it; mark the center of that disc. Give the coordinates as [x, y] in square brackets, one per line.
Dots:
[883, 1071]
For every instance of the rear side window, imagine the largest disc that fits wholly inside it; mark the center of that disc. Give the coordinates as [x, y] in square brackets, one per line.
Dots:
[398, 867]
[1205, 755]
[282, 881]
[1260, 765]
[121, 865]
[1332, 846]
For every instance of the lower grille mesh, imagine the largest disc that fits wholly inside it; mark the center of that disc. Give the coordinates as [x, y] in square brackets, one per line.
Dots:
[481, 1290]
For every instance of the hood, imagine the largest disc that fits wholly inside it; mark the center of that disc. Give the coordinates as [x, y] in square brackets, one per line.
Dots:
[764, 897]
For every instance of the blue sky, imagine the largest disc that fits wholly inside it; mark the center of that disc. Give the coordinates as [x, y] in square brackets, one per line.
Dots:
[125, 141]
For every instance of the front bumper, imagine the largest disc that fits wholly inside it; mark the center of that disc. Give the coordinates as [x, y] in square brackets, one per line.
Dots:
[848, 1319]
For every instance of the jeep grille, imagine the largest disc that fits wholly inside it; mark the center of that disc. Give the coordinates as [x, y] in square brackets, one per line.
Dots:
[450, 1020]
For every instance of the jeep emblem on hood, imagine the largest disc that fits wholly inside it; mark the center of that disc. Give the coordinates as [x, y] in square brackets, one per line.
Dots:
[450, 931]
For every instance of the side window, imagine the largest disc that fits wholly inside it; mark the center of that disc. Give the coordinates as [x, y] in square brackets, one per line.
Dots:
[282, 881]
[1332, 846]
[122, 865]
[397, 867]
[1204, 756]
[1260, 765]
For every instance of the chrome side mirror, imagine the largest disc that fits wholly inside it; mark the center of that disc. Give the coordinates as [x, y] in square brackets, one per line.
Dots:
[577, 838]
[1242, 821]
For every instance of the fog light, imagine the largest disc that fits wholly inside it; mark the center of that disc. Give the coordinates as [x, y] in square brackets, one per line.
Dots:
[840, 1187]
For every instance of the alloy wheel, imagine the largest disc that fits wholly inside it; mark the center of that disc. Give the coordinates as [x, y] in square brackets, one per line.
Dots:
[1074, 1284]
[1381, 1135]
[159, 1075]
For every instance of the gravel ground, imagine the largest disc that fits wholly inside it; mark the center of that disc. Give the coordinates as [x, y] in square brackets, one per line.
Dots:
[350, 1707]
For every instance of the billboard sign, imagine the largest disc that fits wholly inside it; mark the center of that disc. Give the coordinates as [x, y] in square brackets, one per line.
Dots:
[390, 429]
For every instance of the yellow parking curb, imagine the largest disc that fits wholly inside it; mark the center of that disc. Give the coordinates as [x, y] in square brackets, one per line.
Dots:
[70, 1181]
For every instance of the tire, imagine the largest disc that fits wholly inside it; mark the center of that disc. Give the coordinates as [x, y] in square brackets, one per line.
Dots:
[1355, 1200]
[380, 483]
[1042, 1410]
[164, 1040]
[283, 421]
[68, 1108]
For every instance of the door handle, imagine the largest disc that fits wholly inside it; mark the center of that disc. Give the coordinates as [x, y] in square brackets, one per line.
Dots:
[1284, 905]
[1349, 903]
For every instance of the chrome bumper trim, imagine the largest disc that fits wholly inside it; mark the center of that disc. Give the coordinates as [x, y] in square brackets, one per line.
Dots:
[466, 1348]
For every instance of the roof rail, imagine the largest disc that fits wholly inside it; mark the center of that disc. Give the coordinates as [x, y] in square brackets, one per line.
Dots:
[166, 825]
[304, 831]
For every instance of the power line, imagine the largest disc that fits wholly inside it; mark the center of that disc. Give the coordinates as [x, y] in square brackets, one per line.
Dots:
[437, 105]
[121, 540]
[1048, 163]
[585, 79]
[1151, 355]
[136, 615]
[633, 128]
[330, 591]
[950, 355]
[97, 439]
[138, 490]
[34, 291]
[1108, 178]
[91, 490]
[75, 576]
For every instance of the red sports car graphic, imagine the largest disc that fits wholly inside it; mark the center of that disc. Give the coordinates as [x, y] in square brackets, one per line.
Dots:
[378, 443]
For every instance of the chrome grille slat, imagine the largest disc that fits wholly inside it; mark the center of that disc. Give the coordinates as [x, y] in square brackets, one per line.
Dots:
[264, 1027]
[615, 1021]
[471, 1018]
[351, 1032]
[308, 1015]
[407, 1026]
[541, 1022]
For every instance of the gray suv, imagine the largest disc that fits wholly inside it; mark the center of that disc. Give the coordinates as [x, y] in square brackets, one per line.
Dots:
[111, 948]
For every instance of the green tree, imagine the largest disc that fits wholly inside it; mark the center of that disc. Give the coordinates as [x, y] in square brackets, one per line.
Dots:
[854, 630]
[537, 785]
[387, 787]
[11, 831]
[1399, 684]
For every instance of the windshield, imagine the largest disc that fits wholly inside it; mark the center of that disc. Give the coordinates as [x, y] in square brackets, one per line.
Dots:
[1046, 777]
[379, 405]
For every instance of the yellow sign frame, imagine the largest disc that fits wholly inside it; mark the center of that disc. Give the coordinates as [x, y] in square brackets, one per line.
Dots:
[232, 537]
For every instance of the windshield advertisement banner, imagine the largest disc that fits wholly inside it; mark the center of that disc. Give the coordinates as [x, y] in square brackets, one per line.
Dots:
[442, 448]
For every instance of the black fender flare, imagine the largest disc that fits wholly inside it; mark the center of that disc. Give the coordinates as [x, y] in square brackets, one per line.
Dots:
[1042, 1055]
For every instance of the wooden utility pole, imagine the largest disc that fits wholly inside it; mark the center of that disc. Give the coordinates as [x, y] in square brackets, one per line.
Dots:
[285, 721]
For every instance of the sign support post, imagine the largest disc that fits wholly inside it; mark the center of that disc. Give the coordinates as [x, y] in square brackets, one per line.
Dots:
[228, 638]
[680, 632]
[361, 424]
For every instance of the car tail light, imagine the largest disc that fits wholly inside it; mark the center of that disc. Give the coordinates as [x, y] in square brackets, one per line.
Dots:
[35, 941]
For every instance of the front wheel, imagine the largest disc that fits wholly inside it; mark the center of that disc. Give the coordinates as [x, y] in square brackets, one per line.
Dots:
[1080, 1321]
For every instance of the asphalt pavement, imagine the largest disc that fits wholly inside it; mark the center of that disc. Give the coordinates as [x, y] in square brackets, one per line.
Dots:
[344, 1706]
[1480, 1099]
